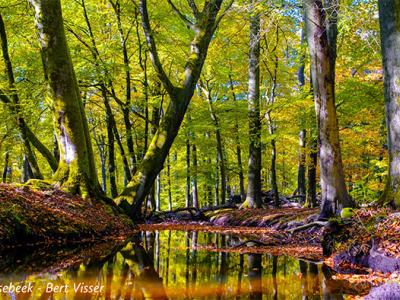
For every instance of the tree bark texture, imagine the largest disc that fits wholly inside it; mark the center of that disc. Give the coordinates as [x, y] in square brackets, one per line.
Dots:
[333, 186]
[312, 174]
[389, 21]
[76, 168]
[254, 173]
[180, 95]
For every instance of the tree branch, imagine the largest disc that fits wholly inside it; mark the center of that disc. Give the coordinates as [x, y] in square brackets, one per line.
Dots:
[223, 14]
[153, 50]
[194, 9]
[183, 18]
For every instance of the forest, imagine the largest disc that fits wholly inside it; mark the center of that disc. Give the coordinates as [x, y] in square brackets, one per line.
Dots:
[127, 116]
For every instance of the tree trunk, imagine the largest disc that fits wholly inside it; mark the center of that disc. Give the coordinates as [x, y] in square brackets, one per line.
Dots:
[180, 97]
[111, 159]
[169, 184]
[188, 204]
[216, 185]
[238, 149]
[158, 191]
[15, 106]
[194, 181]
[76, 168]
[312, 174]
[127, 104]
[389, 20]
[207, 91]
[274, 182]
[301, 174]
[254, 174]
[333, 186]
[6, 162]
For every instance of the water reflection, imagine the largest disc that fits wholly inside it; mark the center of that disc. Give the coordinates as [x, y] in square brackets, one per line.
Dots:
[177, 265]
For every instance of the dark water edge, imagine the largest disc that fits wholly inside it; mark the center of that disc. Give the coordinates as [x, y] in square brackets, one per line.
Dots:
[162, 265]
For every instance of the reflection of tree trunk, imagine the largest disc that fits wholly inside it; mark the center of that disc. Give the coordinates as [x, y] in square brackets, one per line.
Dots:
[239, 286]
[187, 262]
[255, 279]
[109, 278]
[124, 274]
[168, 251]
[194, 264]
[150, 241]
[223, 271]
[304, 279]
[315, 280]
[274, 270]
[128, 293]
[157, 250]
[148, 281]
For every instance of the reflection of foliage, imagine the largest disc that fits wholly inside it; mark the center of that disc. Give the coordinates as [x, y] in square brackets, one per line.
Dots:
[184, 271]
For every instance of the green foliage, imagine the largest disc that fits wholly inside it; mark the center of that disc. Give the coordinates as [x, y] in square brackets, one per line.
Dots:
[359, 92]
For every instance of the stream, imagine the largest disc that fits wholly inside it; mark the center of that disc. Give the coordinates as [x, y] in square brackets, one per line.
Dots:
[165, 264]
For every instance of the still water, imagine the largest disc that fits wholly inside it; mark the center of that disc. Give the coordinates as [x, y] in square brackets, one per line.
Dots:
[168, 265]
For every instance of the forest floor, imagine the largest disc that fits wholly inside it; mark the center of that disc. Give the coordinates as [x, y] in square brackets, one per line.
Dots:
[33, 217]
[365, 254]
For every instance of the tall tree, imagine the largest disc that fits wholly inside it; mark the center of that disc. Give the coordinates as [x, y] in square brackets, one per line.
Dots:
[207, 92]
[180, 95]
[254, 174]
[389, 21]
[15, 104]
[76, 168]
[321, 40]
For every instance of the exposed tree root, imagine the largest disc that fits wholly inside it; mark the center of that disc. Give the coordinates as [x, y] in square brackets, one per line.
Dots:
[255, 242]
[316, 223]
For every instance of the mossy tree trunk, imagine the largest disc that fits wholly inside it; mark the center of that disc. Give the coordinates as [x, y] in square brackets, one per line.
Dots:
[76, 168]
[321, 37]
[207, 21]
[254, 173]
[389, 20]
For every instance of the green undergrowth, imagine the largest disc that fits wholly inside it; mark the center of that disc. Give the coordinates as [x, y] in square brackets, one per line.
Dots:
[32, 216]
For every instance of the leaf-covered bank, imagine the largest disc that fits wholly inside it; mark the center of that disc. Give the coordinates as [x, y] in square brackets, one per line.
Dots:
[52, 216]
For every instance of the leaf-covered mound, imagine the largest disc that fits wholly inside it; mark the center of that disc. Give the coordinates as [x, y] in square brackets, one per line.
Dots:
[250, 217]
[29, 216]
